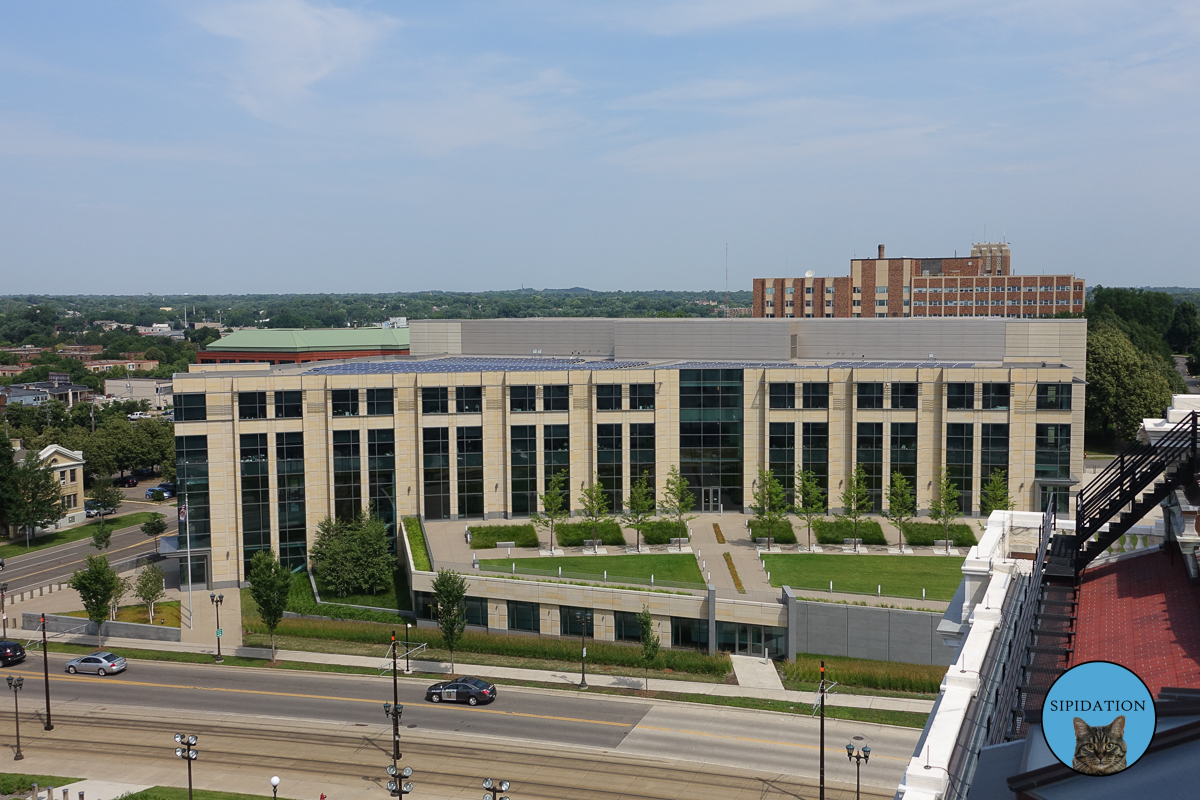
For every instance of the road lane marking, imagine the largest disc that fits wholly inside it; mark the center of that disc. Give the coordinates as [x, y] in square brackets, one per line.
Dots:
[756, 741]
[61, 566]
[85, 678]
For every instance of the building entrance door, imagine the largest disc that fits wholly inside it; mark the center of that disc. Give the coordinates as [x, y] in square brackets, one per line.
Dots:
[749, 640]
[710, 500]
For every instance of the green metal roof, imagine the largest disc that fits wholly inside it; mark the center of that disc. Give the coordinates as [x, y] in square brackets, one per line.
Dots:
[299, 340]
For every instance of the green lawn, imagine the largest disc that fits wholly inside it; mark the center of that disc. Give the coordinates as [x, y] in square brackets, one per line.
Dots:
[167, 610]
[17, 783]
[74, 534]
[386, 598]
[900, 576]
[416, 545]
[681, 568]
[175, 793]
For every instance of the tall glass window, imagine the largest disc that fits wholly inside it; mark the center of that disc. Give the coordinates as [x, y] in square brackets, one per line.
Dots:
[555, 397]
[904, 453]
[608, 397]
[523, 616]
[556, 445]
[781, 455]
[710, 436]
[435, 466]
[252, 405]
[1054, 397]
[814, 452]
[191, 475]
[468, 399]
[1052, 452]
[960, 443]
[344, 402]
[870, 395]
[608, 463]
[569, 626]
[470, 471]
[960, 395]
[641, 453]
[347, 475]
[381, 478]
[190, 408]
[289, 405]
[904, 395]
[782, 395]
[995, 396]
[523, 448]
[256, 494]
[869, 455]
[641, 396]
[380, 402]
[993, 449]
[435, 400]
[522, 398]
[816, 395]
[289, 469]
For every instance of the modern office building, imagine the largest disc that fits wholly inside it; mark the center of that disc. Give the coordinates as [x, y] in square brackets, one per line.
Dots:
[978, 285]
[470, 429]
[303, 345]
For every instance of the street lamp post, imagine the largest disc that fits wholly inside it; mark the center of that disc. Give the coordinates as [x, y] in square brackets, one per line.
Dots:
[188, 753]
[584, 618]
[15, 684]
[494, 788]
[275, 787]
[217, 600]
[3, 613]
[858, 758]
[399, 785]
[46, 674]
[394, 709]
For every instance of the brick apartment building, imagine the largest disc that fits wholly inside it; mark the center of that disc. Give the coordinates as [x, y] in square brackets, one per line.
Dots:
[978, 285]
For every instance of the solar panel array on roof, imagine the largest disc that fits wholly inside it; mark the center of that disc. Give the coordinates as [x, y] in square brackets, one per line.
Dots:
[864, 364]
[471, 365]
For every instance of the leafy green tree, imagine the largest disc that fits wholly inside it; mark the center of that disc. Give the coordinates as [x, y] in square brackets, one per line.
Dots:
[901, 505]
[555, 509]
[856, 501]
[650, 641]
[108, 498]
[594, 502]
[270, 585]
[39, 496]
[994, 497]
[449, 598]
[124, 587]
[10, 496]
[638, 511]
[96, 584]
[945, 508]
[769, 502]
[149, 588]
[352, 556]
[1125, 386]
[1185, 328]
[811, 502]
[155, 527]
[677, 501]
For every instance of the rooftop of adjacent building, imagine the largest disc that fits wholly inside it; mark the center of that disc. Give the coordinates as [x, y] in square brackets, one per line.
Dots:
[312, 339]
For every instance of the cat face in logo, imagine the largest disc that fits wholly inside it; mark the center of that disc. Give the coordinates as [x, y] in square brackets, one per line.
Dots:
[1100, 749]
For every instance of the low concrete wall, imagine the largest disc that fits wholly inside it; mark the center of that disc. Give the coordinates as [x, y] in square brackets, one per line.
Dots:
[122, 630]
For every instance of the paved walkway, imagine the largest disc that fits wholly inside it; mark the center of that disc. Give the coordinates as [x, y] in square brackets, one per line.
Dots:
[756, 673]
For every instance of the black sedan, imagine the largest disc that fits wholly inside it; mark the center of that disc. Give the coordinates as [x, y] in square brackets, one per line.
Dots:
[11, 653]
[472, 691]
[128, 481]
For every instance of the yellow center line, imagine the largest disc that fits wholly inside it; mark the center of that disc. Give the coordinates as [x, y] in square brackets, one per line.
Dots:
[756, 741]
[302, 696]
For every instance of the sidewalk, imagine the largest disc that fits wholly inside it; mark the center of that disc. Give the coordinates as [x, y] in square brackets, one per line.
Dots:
[515, 673]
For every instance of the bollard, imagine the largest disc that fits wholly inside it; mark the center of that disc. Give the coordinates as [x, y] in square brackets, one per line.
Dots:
[49, 793]
[560, 572]
[710, 577]
[606, 576]
[514, 572]
[768, 577]
[879, 590]
[81, 795]
[922, 592]
[34, 796]
[64, 794]
[831, 587]
[703, 565]
[651, 578]
[509, 549]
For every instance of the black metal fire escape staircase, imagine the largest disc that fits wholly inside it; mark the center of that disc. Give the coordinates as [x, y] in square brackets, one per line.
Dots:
[1128, 489]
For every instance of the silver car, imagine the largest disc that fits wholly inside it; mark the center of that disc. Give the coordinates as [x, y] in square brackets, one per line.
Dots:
[99, 663]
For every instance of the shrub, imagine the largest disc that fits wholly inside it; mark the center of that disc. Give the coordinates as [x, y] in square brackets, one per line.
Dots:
[661, 531]
[416, 545]
[783, 533]
[737, 581]
[717, 531]
[485, 537]
[301, 601]
[572, 534]
[834, 532]
[891, 675]
[157, 495]
[924, 534]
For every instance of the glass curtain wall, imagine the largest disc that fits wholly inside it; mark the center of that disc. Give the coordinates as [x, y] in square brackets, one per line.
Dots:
[191, 474]
[470, 471]
[814, 453]
[381, 479]
[435, 468]
[524, 469]
[904, 453]
[556, 448]
[781, 455]
[869, 455]
[960, 443]
[256, 495]
[289, 469]
[1052, 452]
[641, 453]
[710, 436]
[347, 475]
[993, 449]
[609, 464]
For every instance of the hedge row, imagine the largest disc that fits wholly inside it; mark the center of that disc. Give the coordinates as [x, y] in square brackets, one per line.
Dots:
[924, 534]
[572, 534]
[784, 533]
[661, 531]
[833, 532]
[484, 537]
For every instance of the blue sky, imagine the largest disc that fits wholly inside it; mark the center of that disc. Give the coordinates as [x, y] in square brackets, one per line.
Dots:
[286, 145]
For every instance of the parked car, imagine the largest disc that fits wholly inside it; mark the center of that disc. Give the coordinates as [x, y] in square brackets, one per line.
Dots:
[125, 480]
[11, 653]
[472, 691]
[93, 509]
[99, 663]
[139, 415]
[144, 472]
[167, 489]
[169, 416]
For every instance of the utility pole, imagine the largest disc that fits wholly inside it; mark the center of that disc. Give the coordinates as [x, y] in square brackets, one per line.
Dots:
[821, 700]
[46, 674]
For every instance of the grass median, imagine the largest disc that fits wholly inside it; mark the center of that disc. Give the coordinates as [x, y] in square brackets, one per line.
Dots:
[900, 576]
[68, 535]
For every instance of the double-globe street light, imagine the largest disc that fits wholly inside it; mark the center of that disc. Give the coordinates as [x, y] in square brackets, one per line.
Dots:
[858, 759]
[584, 618]
[217, 600]
[16, 684]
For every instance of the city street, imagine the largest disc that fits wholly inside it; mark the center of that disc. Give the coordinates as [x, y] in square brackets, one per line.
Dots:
[525, 721]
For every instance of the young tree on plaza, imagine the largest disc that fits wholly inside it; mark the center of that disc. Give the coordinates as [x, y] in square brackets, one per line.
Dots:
[555, 508]
[154, 527]
[650, 641]
[901, 505]
[995, 496]
[811, 502]
[149, 588]
[594, 502]
[270, 585]
[944, 508]
[449, 598]
[640, 506]
[96, 584]
[677, 502]
[124, 587]
[856, 501]
[769, 502]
